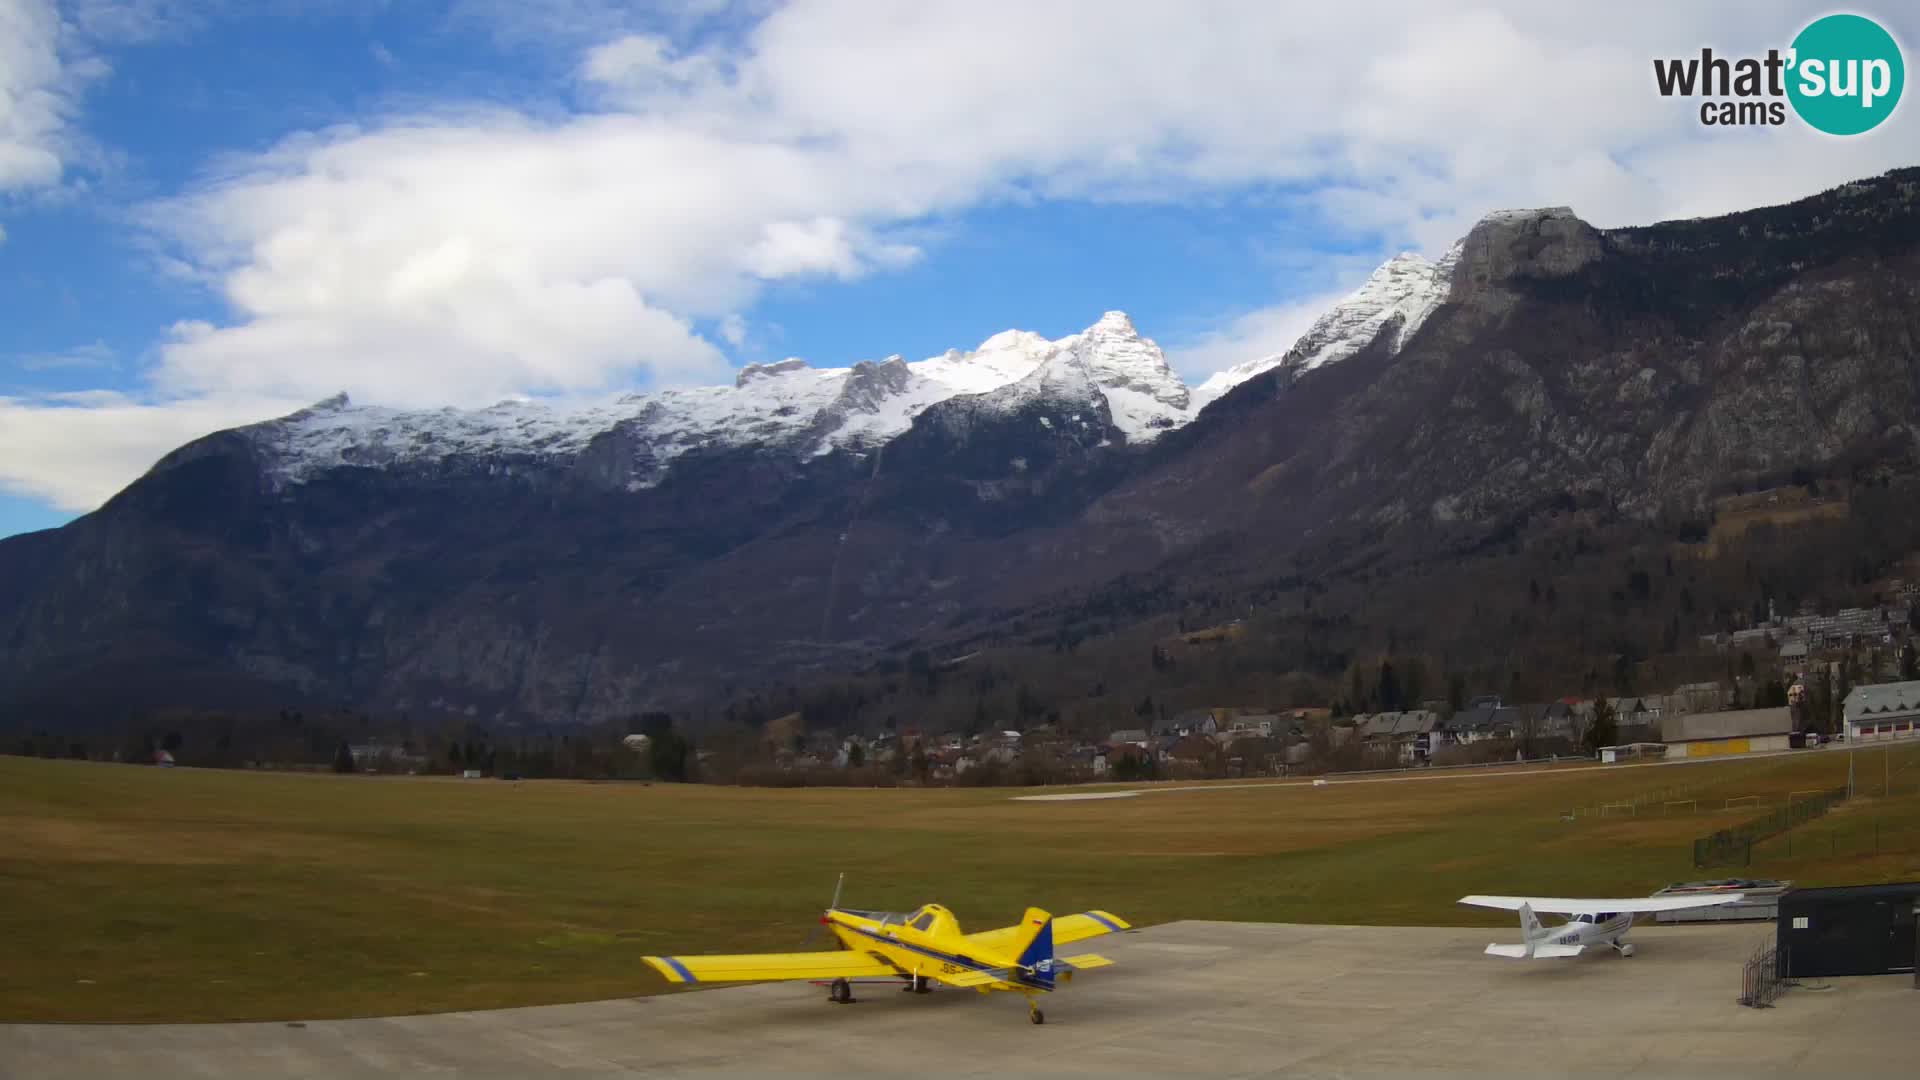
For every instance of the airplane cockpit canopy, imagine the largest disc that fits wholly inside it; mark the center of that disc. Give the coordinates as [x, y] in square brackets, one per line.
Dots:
[926, 915]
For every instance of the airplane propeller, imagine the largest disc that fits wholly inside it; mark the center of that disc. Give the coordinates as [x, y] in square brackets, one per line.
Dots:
[831, 906]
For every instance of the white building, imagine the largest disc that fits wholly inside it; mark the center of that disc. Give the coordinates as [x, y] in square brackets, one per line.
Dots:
[1887, 711]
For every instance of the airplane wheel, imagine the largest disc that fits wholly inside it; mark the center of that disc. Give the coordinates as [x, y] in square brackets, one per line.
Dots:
[841, 992]
[1038, 1017]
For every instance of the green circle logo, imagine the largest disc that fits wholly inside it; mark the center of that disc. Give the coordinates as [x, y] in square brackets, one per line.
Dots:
[1847, 74]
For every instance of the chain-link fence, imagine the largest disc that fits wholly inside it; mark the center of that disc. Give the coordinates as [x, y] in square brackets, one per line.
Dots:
[1734, 846]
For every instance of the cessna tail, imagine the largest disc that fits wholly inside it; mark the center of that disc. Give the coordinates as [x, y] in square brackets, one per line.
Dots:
[1588, 922]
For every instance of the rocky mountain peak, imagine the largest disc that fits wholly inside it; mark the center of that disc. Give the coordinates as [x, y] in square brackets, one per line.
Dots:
[1546, 242]
[870, 383]
[765, 371]
[1395, 300]
[1132, 373]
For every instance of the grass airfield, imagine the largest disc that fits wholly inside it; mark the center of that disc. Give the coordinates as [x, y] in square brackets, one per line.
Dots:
[140, 894]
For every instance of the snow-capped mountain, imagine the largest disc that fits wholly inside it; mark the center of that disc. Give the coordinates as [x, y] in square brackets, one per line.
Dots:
[1397, 298]
[793, 406]
[789, 404]
[515, 565]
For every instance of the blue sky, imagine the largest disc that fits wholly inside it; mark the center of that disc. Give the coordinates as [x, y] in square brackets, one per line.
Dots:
[216, 212]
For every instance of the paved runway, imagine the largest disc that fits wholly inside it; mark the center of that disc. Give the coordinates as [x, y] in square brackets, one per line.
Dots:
[1190, 998]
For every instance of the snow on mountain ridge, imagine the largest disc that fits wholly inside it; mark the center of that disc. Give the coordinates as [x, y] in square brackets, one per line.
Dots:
[1407, 287]
[817, 410]
[784, 403]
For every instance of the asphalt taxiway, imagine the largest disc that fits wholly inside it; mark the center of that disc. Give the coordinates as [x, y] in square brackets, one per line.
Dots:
[1188, 998]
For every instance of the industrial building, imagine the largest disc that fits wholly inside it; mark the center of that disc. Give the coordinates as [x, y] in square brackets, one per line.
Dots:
[1887, 711]
[1851, 930]
[1742, 731]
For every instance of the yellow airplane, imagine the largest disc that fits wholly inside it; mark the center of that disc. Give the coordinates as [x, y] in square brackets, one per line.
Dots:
[922, 948]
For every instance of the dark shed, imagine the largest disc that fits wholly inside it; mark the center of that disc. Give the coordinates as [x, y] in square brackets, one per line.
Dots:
[1851, 930]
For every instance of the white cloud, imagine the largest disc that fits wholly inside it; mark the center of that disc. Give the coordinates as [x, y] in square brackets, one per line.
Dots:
[458, 256]
[96, 354]
[36, 98]
[75, 450]
[1264, 332]
[469, 255]
[139, 20]
[733, 330]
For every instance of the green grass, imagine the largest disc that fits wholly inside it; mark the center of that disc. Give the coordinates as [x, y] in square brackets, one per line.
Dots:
[149, 894]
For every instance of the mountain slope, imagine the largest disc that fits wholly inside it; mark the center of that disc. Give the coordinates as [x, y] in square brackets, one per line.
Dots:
[514, 565]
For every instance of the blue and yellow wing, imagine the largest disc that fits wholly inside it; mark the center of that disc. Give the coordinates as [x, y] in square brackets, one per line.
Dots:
[1066, 930]
[770, 967]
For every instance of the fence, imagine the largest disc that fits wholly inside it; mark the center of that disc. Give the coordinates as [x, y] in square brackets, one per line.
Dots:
[1761, 983]
[1735, 845]
[1869, 837]
[1661, 800]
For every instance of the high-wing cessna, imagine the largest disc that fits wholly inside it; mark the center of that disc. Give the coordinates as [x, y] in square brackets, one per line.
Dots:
[922, 947]
[1589, 922]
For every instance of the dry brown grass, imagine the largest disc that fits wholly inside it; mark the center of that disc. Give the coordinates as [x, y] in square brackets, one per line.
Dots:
[147, 894]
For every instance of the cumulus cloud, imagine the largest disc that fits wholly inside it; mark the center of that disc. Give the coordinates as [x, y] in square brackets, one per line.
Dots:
[456, 256]
[539, 255]
[75, 450]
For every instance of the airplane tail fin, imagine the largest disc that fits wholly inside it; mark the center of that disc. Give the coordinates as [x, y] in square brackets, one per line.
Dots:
[1033, 948]
[1529, 922]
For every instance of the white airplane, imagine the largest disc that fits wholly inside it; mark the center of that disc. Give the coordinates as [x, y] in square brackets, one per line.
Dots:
[1589, 922]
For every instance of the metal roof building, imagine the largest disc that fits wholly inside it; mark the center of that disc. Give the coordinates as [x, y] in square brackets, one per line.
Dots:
[1741, 731]
[1887, 711]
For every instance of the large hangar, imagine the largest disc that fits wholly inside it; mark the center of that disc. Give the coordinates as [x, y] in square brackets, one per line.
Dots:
[1743, 731]
[1850, 930]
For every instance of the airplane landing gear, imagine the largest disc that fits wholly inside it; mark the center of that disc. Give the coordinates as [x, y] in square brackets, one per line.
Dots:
[918, 984]
[840, 992]
[1623, 948]
[1034, 1014]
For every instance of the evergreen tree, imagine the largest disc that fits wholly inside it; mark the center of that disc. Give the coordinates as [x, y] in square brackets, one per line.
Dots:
[343, 759]
[1603, 730]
